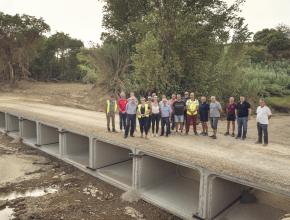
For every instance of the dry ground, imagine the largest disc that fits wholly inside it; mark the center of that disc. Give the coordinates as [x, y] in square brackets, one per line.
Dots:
[79, 195]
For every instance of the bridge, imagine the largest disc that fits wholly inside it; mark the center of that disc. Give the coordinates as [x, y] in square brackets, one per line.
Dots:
[191, 177]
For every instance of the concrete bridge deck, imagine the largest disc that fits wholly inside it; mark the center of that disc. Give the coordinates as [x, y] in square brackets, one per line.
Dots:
[184, 174]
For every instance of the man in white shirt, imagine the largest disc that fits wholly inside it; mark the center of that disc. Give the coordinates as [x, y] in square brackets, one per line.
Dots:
[263, 115]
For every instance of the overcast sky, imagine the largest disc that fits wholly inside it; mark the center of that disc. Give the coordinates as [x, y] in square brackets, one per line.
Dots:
[83, 19]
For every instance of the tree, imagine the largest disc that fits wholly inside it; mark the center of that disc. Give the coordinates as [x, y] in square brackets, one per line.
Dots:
[58, 58]
[19, 36]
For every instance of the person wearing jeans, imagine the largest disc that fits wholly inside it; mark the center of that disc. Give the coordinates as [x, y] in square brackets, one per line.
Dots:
[243, 113]
[143, 113]
[131, 110]
[263, 115]
[165, 110]
[122, 102]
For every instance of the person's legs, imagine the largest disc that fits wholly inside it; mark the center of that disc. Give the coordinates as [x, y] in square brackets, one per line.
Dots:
[167, 122]
[108, 121]
[133, 124]
[141, 123]
[177, 122]
[153, 119]
[187, 123]
[162, 126]
[172, 121]
[157, 123]
[265, 132]
[233, 128]
[149, 122]
[240, 125]
[245, 127]
[146, 127]
[194, 120]
[128, 125]
[124, 116]
[181, 122]
[121, 120]
[259, 128]
[228, 127]
[113, 121]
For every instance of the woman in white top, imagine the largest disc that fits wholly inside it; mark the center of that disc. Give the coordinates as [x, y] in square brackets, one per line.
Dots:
[155, 116]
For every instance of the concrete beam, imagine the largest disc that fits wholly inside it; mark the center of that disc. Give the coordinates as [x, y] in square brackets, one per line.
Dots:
[12, 125]
[48, 139]
[28, 132]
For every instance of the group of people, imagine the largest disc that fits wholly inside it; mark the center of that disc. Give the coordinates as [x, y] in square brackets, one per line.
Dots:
[180, 112]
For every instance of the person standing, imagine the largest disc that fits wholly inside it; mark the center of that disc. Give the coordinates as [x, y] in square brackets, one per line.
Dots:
[243, 113]
[165, 110]
[178, 110]
[149, 102]
[131, 110]
[122, 102]
[203, 115]
[263, 115]
[111, 109]
[191, 111]
[155, 115]
[215, 110]
[143, 116]
[185, 98]
[231, 116]
[171, 102]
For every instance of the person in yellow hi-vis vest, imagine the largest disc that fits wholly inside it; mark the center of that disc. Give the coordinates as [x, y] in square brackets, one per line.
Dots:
[191, 111]
[143, 112]
[111, 109]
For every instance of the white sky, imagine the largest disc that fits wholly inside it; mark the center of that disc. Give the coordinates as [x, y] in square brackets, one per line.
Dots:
[83, 19]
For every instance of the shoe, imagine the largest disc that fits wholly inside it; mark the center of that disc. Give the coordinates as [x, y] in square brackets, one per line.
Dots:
[238, 137]
[131, 135]
[233, 134]
[146, 137]
[196, 134]
[114, 130]
[265, 145]
[186, 133]
[205, 134]
[243, 138]
[167, 135]
[213, 136]
[141, 136]
[109, 130]
[258, 142]
[202, 133]
[227, 133]
[125, 136]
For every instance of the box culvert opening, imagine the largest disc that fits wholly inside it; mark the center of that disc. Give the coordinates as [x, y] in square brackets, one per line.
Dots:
[49, 139]
[12, 125]
[76, 148]
[114, 163]
[170, 186]
[28, 130]
[2, 121]
[233, 201]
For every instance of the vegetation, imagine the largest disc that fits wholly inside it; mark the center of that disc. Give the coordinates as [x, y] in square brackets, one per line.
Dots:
[156, 46]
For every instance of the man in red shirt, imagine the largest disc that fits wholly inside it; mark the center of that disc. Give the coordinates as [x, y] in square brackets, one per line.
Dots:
[231, 117]
[122, 102]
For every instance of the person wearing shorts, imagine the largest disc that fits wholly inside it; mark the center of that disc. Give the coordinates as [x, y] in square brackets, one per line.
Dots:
[231, 116]
[203, 115]
[215, 110]
[192, 111]
[178, 110]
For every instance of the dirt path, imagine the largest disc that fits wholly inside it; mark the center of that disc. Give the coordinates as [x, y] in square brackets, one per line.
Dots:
[78, 196]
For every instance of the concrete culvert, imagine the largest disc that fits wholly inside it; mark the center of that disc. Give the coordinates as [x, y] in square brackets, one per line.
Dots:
[28, 132]
[76, 148]
[12, 125]
[48, 139]
[2, 121]
[230, 200]
[113, 164]
[169, 186]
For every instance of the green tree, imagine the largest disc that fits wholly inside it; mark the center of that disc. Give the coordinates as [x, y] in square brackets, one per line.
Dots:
[19, 37]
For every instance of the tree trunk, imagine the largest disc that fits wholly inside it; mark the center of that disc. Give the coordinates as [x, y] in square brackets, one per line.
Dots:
[11, 73]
